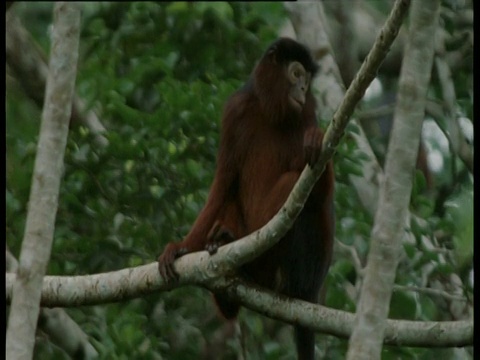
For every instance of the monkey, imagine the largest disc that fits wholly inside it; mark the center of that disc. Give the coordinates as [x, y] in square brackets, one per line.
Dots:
[268, 135]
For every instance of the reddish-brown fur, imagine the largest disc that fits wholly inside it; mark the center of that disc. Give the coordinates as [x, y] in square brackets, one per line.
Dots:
[265, 144]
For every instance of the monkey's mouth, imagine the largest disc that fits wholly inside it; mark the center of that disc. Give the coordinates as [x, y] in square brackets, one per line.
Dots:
[297, 103]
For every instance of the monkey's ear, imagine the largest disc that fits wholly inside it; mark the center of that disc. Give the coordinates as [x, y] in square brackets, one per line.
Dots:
[272, 54]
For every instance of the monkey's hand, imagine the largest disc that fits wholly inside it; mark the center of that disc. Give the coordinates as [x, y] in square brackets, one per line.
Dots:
[219, 235]
[165, 261]
[312, 145]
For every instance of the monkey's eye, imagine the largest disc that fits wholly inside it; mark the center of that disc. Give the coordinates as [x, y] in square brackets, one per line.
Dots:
[295, 71]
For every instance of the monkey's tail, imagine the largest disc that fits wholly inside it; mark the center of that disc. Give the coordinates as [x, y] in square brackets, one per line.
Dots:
[229, 309]
[305, 341]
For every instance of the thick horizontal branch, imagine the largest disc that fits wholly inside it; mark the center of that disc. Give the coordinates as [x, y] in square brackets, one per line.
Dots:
[198, 268]
[201, 269]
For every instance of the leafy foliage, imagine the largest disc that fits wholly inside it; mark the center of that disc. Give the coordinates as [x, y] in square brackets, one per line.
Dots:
[157, 74]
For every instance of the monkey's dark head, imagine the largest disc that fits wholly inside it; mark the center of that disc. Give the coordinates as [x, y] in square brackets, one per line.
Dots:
[283, 76]
[285, 50]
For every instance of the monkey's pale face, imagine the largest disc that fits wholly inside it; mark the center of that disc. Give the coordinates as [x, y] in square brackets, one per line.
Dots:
[299, 80]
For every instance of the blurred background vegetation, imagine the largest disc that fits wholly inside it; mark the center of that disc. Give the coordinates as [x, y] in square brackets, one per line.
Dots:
[157, 75]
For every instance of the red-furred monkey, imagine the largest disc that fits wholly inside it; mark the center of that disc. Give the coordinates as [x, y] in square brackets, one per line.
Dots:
[269, 134]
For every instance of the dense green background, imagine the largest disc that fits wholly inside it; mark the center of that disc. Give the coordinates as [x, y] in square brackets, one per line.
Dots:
[158, 75]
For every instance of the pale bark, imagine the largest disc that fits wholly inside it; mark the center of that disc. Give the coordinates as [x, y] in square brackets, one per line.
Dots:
[310, 25]
[59, 327]
[388, 231]
[201, 268]
[43, 202]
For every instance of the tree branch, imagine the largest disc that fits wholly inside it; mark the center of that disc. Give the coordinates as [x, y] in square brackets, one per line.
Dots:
[134, 282]
[388, 231]
[43, 201]
[310, 26]
[60, 328]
